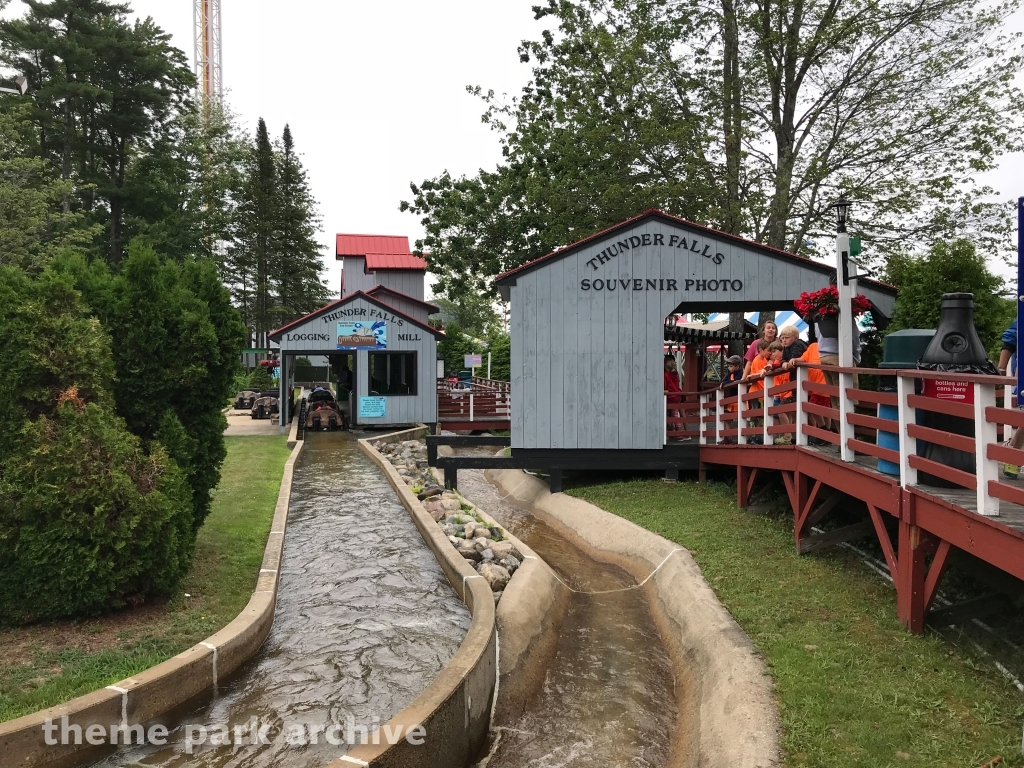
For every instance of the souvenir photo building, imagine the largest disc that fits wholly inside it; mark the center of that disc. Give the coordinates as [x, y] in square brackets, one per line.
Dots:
[588, 325]
[375, 337]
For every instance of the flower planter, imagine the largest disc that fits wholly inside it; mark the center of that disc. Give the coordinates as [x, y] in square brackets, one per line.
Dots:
[829, 326]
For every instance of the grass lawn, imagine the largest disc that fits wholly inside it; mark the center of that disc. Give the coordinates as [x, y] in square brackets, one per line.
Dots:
[47, 664]
[854, 688]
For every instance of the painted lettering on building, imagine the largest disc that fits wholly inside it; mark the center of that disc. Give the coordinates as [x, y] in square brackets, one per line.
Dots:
[631, 243]
[373, 313]
[307, 337]
[408, 337]
[659, 284]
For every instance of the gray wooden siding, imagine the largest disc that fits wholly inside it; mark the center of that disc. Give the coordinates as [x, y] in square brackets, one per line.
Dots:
[407, 281]
[411, 308]
[356, 278]
[318, 336]
[587, 364]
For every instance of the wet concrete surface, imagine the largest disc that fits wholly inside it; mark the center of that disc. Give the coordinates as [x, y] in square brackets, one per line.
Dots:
[608, 698]
[365, 621]
[242, 424]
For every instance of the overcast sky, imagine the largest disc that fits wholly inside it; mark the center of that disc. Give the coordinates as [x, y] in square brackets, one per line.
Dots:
[375, 92]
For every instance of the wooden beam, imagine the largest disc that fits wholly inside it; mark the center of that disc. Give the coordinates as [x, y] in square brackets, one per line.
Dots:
[969, 609]
[838, 536]
[884, 539]
[935, 572]
[823, 509]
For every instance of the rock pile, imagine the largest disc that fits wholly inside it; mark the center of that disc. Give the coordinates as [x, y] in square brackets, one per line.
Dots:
[485, 546]
[409, 458]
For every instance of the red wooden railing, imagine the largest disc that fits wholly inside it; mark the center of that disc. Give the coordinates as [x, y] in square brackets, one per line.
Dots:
[737, 415]
[478, 402]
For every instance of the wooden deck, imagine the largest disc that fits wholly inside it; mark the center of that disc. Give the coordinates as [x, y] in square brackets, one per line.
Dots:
[917, 526]
[1010, 515]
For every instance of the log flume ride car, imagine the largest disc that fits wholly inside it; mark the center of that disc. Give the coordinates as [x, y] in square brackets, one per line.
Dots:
[323, 412]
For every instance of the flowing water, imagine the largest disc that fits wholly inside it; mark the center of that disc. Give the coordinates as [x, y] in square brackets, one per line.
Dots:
[365, 621]
[608, 698]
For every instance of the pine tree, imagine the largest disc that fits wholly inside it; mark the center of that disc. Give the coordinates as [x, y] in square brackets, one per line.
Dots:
[106, 89]
[254, 265]
[299, 264]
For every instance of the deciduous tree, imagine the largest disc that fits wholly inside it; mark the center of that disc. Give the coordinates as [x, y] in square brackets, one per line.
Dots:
[748, 115]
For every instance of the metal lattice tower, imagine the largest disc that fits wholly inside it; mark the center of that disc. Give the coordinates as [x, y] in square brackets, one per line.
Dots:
[206, 14]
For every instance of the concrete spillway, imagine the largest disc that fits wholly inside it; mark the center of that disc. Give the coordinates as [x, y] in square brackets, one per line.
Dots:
[608, 696]
[365, 621]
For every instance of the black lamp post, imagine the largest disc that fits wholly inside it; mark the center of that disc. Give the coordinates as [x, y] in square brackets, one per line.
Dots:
[842, 206]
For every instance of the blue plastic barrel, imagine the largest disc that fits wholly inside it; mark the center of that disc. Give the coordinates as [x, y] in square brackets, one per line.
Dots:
[888, 439]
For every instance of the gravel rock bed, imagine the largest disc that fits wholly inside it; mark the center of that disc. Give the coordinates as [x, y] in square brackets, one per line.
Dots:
[485, 546]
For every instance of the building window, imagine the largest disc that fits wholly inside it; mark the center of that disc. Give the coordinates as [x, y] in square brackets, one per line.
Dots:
[392, 373]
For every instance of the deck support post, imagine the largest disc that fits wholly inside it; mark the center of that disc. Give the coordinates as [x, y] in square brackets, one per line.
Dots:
[916, 583]
[910, 578]
[555, 479]
[451, 478]
[745, 477]
[800, 501]
[845, 409]
[672, 474]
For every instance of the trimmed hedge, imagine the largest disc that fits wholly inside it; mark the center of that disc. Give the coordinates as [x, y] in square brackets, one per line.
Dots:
[91, 518]
[88, 520]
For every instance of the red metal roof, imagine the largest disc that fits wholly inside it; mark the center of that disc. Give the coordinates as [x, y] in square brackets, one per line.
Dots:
[360, 245]
[394, 261]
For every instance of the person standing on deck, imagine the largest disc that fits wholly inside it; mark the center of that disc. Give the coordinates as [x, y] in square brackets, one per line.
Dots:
[828, 351]
[730, 389]
[1007, 355]
[757, 367]
[769, 333]
[673, 390]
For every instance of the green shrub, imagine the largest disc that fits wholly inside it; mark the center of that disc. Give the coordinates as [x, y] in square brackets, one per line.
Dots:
[176, 356]
[239, 383]
[259, 379]
[950, 267]
[47, 343]
[88, 520]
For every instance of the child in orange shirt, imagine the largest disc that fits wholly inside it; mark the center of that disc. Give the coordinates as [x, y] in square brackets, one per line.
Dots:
[757, 366]
[759, 363]
[775, 366]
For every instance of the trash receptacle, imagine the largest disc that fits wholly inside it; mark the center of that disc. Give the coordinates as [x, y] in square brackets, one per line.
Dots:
[955, 348]
[901, 350]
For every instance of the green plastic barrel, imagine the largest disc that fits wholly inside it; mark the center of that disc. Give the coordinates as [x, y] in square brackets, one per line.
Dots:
[900, 350]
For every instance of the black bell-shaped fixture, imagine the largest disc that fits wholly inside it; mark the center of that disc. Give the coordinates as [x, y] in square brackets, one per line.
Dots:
[956, 347]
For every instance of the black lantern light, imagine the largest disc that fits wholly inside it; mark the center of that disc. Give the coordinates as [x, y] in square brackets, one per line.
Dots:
[842, 206]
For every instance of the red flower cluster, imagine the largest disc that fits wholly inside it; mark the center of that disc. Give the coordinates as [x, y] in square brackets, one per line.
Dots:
[826, 302]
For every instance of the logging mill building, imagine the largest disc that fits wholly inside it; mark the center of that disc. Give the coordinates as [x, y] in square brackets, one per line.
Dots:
[376, 336]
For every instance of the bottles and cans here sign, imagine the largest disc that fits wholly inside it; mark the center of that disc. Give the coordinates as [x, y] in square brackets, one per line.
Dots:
[943, 389]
